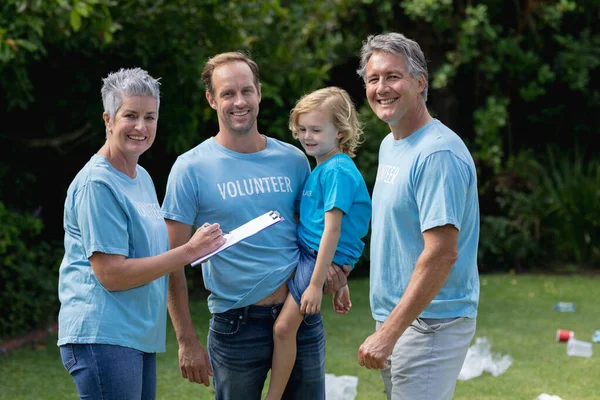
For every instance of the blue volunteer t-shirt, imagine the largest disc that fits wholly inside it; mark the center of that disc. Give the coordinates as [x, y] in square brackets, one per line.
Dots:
[108, 212]
[425, 180]
[336, 183]
[211, 183]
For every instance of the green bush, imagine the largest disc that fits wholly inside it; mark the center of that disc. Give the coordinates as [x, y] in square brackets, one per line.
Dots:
[550, 212]
[29, 274]
[571, 187]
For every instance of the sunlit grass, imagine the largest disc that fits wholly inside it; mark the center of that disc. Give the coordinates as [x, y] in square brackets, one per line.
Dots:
[516, 315]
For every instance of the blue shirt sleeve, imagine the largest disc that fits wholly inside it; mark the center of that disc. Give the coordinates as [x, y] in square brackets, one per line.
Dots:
[180, 202]
[102, 221]
[339, 190]
[441, 183]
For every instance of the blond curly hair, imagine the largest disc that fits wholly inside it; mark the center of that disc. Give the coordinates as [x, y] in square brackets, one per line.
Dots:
[338, 103]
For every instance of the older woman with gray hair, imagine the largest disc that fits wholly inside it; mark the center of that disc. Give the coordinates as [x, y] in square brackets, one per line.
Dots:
[113, 279]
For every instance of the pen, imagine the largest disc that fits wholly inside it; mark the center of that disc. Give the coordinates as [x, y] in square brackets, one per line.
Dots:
[224, 232]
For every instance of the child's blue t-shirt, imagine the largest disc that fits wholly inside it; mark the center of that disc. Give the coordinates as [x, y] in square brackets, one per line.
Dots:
[211, 183]
[108, 212]
[336, 183]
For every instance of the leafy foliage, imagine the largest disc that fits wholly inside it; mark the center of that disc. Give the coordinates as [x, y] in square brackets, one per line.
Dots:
[27, 27]
[28, 284]
[552, 209]
[571, 187]
[294, 43]
[514, 61]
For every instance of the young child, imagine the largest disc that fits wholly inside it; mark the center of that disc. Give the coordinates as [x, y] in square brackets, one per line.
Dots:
[335, 211]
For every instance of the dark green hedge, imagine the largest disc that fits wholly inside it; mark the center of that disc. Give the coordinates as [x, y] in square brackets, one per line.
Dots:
[28, 274]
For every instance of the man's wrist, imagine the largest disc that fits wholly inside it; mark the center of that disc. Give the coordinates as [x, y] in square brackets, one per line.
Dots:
[187, 340]
[389, 333]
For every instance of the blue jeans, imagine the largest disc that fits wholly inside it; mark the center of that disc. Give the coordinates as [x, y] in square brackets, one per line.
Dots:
[110, 372]
[303, 274]
[240, 348]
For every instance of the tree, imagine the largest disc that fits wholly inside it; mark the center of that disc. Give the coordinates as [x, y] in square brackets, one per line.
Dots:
[65, 48]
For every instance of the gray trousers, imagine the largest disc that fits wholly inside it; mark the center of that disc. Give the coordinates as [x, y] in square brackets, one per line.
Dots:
[427, 359]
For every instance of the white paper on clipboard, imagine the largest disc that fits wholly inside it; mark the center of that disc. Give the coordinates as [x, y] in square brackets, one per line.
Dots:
[244, 231]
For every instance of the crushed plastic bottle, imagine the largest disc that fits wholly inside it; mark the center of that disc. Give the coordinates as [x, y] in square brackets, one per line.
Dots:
[564, 306]
[545, 396]
[480, 358]
[579, 348]
[340, 387]
[596, 336]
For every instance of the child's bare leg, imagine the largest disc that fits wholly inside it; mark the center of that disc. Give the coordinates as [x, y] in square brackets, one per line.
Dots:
[284, 352]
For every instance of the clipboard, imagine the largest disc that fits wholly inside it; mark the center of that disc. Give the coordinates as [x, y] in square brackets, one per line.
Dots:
[243, 232]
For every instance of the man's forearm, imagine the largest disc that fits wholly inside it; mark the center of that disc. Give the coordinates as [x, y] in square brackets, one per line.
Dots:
[178, 303]
[179, 309]
[430, 274]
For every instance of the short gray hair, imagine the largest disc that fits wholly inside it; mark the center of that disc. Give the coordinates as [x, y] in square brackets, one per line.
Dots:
[400, 45]
[128, 82]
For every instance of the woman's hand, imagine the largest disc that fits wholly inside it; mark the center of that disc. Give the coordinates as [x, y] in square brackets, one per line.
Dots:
[206, 239]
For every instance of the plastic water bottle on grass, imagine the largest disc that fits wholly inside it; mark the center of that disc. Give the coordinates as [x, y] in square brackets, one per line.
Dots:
[564, 306]
[579, 348]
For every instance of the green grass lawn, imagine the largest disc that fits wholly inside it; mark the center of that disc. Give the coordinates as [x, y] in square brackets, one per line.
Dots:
[516, 315]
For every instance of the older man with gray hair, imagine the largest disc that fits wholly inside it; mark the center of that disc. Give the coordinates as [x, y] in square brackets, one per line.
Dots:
[425, 231]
